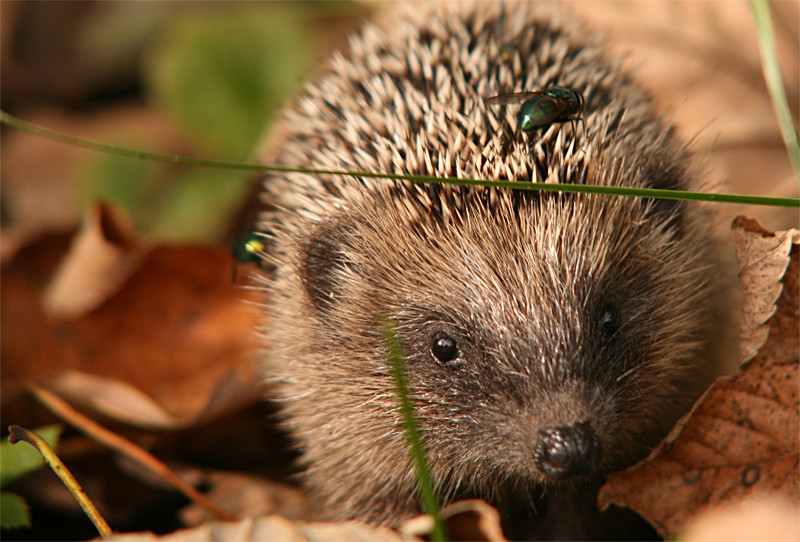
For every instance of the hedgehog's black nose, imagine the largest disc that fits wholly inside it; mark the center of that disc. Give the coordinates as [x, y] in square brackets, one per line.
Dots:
[567, 451]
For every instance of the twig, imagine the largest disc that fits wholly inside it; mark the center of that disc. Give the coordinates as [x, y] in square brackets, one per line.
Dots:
[18, 433]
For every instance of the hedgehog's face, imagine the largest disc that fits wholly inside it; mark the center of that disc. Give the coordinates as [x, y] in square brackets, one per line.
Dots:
[540, 345]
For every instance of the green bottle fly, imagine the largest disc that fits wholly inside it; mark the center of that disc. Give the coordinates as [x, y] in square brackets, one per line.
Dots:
[544, 107]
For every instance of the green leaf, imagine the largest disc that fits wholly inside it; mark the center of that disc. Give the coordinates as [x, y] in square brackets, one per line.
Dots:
[200, 205]
[129, 183]
[19, 459]
[15, 513]
[224, 73]
[194, 206]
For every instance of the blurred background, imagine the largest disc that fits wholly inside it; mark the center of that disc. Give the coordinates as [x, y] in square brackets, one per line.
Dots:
[172, 341]
[201, 78]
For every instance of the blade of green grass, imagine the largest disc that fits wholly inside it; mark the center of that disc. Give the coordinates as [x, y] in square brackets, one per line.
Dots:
[427, 493]
[18, 123]
[774, 80]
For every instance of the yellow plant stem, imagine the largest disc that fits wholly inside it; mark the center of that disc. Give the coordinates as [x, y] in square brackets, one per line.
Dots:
[20, 433]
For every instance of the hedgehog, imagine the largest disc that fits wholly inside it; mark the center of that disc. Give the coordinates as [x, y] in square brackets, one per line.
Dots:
[549, 338]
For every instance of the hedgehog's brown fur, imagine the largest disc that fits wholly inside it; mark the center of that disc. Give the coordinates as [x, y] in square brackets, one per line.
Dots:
[520, 279]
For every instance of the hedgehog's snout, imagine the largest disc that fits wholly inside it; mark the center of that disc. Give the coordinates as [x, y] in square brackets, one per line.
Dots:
[569, 450]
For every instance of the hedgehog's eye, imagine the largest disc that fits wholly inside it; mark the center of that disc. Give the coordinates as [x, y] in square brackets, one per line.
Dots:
[444, 348]
[609, 320]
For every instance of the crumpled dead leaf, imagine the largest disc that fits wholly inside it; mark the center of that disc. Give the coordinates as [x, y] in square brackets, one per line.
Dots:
[739, 442]
[763, 257]
[173, 346]
[103, 255]
[471, 519]
[122, 402]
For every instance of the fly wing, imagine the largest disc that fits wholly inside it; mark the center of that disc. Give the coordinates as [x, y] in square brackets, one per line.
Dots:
[511, 98]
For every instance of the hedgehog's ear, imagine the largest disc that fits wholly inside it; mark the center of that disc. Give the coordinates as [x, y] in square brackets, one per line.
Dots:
[321, 260]
[670, 213]
[665, 175]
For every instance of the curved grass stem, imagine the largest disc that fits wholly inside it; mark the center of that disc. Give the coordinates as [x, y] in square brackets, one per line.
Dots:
[18, 123]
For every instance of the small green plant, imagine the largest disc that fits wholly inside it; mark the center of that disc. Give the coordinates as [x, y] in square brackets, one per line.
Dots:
[16, 462]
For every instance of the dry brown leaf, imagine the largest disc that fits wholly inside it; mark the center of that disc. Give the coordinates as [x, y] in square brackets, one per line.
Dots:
[122, 402]
[464, 520]
[103, 255]
[763, 257]
[178, 331]
[739, 442]
[272, 528]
